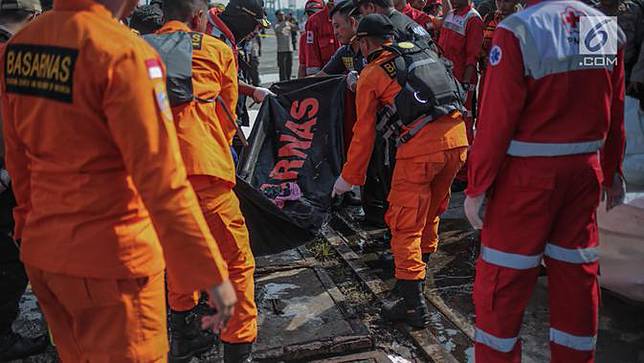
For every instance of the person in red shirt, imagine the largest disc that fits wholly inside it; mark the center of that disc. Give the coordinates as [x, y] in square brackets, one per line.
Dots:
[425, 20]
[505, 8]
[320, 41]
[542, 155]
[461, 37]
[311, 7]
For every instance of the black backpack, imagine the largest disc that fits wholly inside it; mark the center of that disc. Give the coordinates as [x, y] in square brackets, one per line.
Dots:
[176, 51]
[429, 90]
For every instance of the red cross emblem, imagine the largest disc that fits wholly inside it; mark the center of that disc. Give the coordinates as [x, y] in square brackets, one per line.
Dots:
[570, 18]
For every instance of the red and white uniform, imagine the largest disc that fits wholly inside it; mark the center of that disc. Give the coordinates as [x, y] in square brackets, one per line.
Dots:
[320, 41]
[545, 119]
[460, 39]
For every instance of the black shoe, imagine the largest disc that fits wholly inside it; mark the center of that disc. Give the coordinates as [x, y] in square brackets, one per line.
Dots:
[412, 308]
[187, 338]
[351, 199]
[238, 353]
[14, 346]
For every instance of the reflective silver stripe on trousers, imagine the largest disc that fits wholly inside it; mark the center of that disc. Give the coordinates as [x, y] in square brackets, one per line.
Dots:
[522, 148]
[572, 255]
[312, 70]
[504, 345]
[509, 260]
[584, 343]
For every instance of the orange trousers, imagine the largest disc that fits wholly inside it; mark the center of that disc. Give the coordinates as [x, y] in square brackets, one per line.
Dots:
[104, 320]
[419, 193]
[220, 206]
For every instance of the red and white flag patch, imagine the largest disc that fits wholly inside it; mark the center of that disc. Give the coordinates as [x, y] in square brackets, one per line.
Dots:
[154, 68]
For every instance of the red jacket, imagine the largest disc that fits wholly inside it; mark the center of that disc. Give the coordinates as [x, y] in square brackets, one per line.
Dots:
[425, 20]
[531, 106]
[320, 41]
[461, 38]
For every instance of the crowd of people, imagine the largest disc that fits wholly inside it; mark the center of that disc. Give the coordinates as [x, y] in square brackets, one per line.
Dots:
[444, 97]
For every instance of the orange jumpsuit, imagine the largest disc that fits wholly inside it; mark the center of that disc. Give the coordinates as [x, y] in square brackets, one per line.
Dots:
[205, 135]
[103, 196]
[425, 168]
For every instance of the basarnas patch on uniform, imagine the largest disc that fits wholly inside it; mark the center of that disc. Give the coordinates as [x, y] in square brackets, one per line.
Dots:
[161, 96]
[154, 68]
[40, 71]
[495, 55]
[309, 37]
[390, 68]
[197, 40]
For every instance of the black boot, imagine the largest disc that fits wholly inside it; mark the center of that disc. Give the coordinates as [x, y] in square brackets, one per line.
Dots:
[14, 346]
[412, 308]
[187, 338]
[238, 353]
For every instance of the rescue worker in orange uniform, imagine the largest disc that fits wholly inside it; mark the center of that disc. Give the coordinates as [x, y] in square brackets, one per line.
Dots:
[14, 15]
[461, 37]
[235, 25]
[425, 167]
[205, 127]
[505, 8]
[311, 7]
[550, 138]
[94, 157]
[320, 41]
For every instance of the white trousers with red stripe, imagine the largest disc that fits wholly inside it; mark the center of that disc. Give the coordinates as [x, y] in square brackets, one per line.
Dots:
[540, 208]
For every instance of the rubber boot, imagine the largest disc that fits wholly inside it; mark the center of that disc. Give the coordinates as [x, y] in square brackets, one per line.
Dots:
[14, 346]
[412, 308]
[238, 353]
[187, 338]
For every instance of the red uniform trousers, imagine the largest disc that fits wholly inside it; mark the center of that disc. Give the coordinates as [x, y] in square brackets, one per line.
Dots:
[540, 207]
[220, 206]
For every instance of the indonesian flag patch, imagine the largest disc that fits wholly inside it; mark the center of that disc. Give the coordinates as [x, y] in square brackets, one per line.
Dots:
[154, 68]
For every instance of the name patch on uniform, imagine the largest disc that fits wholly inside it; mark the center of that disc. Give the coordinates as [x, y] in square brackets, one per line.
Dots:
[41, 71]
[154, 68]
[197, 39]
[390, 68]
[309, 37]
[348, 63]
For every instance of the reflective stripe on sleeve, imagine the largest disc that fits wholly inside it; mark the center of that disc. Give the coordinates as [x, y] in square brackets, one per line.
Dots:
[522, 148]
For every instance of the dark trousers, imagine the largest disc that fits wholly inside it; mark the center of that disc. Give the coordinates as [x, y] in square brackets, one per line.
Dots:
[13, 279]
[285, 64]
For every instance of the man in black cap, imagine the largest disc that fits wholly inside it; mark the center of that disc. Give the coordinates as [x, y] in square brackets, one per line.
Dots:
[405, 29]
[430, 148]
[14, 14]
[348, 57]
